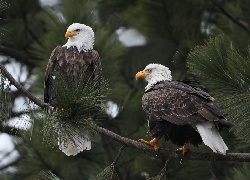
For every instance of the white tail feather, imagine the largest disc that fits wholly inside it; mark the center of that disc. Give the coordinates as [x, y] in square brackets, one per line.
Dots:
[211, 137]
[73, 144]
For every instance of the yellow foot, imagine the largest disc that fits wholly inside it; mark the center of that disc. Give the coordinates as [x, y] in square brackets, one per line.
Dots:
[184, 150]
[152, 143]
[58, 109]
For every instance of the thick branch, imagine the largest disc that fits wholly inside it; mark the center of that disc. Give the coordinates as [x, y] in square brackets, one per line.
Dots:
[22, 89]
[240, 157]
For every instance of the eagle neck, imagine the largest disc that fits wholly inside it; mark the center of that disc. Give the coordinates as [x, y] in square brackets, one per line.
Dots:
[157, 76]
[150, 87]
[153, 81]
[84, 44]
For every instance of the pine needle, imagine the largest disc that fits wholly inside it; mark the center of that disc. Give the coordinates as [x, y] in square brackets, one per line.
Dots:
[225, 72]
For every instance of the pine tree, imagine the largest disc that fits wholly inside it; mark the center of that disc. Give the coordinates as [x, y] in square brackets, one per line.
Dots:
[225, 71]
[169, 26]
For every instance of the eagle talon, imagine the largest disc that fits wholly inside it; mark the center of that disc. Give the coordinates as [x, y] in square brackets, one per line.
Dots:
[183, 150]
[152, 143]
[182, 153]
[57, 109]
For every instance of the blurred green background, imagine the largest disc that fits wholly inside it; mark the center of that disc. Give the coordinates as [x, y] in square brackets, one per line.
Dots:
[205, 43]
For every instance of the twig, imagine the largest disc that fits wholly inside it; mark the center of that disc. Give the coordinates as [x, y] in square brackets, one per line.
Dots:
[115, 161]
[118, 155]
[166, 164]
[240, 157]
[212, 171]
[165, 168]
[22, 89]
[244, 25]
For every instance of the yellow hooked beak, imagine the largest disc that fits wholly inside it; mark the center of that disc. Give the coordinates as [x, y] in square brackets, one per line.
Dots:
[69, 34]
[141, 74]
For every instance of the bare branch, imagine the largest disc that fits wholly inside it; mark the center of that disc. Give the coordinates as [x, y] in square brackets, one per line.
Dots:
[22, 89]
[118, 155]
[240, 157]
[212, 171]
[162, 173]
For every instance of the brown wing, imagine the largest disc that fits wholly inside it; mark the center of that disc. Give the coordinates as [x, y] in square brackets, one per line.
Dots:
[48, 73]
[180, 104]
[97, 65]
[70, 62]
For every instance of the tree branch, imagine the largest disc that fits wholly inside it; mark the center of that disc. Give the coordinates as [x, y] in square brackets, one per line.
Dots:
[240, 157]
[244, 25]
[119, 154]
[212, 171]
[22, 89]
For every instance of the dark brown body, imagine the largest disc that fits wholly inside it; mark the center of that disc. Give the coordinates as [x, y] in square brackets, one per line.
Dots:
[173, 108]
[69, 63]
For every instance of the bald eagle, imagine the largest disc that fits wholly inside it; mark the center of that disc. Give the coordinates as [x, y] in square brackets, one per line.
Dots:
[69, 60]
[181, 113]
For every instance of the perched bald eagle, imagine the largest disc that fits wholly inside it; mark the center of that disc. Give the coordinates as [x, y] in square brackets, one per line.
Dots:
[180, 113]
[69, 60]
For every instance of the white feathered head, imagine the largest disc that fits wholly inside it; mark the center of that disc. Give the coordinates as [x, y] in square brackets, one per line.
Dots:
[154, 73]
[80, 36]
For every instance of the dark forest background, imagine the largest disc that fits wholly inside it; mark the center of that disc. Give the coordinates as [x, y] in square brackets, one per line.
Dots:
[204, 43]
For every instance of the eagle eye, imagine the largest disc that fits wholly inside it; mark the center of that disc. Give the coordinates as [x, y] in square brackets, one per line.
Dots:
[149, 70]
[77, 30]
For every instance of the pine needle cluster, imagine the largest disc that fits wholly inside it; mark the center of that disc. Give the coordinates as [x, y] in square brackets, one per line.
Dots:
[225, 72]
[81, 101]
[5, 99]
[161, 174]
[46, 175]
[107, 174]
